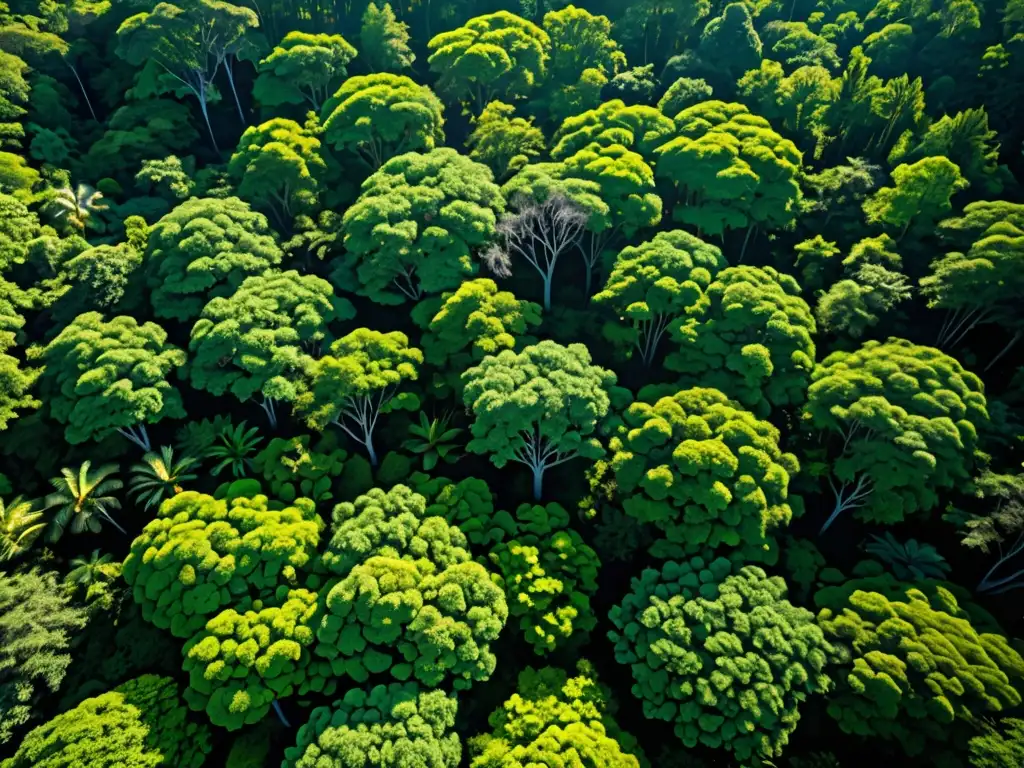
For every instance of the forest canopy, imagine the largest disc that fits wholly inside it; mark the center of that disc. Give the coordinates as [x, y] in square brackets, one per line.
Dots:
[511, 383]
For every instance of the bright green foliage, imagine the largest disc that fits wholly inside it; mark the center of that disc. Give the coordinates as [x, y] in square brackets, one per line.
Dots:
[303, 68]
[795, 45]
[635, 127]
[357, 381]
[816, 260]
[540, 407]
[17, 177]
[654, 284]
[999, 748]
[389, 726]
[916, 666]
[904, 423]
[293, 469]
[169, 178]
[253, 653]
[920, 195]
[504, 143]
[731, 41]
[732, 170]
[384, 40]
[416, 224]
[583, 58]
[721, 653]
[468, 505]
[983, 285]
[277, 166]
[99, 279]
[232, 448]
[552, 720]
[705, 472]
[753, 340]
[37, 625]
[549, 575]
[141, 724]
[477, 320]
[257, 339]
[203, 249]
[104, 377]
[412, 602]
[18, 226]
[202, 554]
[498, 55]
[910, 561]
[20, 526]
[16, 380]
[383, 115]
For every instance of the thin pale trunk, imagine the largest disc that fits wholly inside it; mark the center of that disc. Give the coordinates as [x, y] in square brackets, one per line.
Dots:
[280, 714]
[228, 66]
[81, 85]
[1009, 345]
[206, 118]
[844, 502]
[746, 240]
[268, 408]
[369, 448]
[547, 291]
[538, 482]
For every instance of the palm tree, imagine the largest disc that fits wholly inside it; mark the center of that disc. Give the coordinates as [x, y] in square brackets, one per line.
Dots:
[81, 500]
[159, 475]
[86, 571]
[77, 206]
[20, 526]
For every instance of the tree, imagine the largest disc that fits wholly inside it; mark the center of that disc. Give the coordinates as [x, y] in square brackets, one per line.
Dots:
[383, 115]
[980, 286]
[467, 505]
[653, 28]
[706, 473]
[16, 380]
[260, 339]
[385, 40]
[169, 178]
[549, 575]
[504, 143]
[159, 476]
[498, 55]
[79, 207]
[636, 127]
[539, 407]
[20, 526]
[303, 67]
[721, 653]
[277, 166]
[540, 231]
[104, 377]
[903, 424]
[393, 725]
[999, 748]
[17, 177]
[203, 249]
[189, 44]
[553, 719]
[14, 88]
[140, 723]
[18, 227]
[82, 500]
[653, 284]
[477, 320]
[250, 655]
[201, 555]
[37, 624]
[682, 94]
[358, 381]
[919, 668]
[921, 195]
[752, 339]
[416, 224]
[410, 601]
[732, 40]
[104, 279]
[796, 45]
[1000, 530]
[732, 169]
[292, 468]
[583, 58]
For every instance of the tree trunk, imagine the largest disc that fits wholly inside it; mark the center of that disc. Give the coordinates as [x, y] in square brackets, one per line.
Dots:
[280, 714]
[538, 482]
[369, 448]
[206, 117]
[231, 81]
[547, 293]
[85, 95]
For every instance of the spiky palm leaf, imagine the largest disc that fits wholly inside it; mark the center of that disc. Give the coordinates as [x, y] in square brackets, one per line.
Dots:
[233, 449]
[20, 525]
[86, 571]
[81, 498]
[433, 439]
[909, 561]
[78, 206]
[160, 476]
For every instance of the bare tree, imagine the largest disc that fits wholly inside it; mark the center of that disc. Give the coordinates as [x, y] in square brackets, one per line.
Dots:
[539, 233]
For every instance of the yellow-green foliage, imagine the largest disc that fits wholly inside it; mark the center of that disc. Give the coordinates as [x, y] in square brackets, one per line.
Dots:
[916, 665]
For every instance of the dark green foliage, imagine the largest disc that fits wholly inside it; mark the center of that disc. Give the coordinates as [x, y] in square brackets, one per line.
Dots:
[292, 469]
[721, 653]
